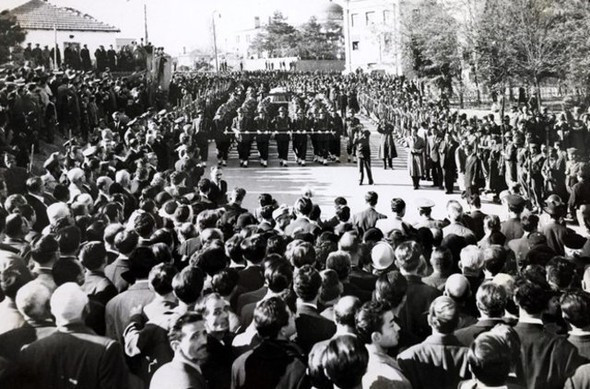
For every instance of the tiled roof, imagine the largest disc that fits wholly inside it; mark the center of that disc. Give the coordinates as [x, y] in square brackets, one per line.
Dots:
[40, 15]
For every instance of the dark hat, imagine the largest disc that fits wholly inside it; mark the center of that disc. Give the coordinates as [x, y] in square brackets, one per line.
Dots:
[573, 241]
[536, 239]
[555, 209]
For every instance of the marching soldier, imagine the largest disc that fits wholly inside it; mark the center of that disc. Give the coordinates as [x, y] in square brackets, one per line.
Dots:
[322, 127]
[244, 141]
[281, 126]
[263, 125]
[221, 122]
[299, 126]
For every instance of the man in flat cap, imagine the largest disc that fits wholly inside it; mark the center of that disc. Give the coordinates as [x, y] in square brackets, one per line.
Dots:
[425, 211]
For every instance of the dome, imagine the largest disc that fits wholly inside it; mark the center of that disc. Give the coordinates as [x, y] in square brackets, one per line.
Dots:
[330, 11]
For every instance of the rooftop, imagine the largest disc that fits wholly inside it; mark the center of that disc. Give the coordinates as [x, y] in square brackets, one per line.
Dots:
[40, 15]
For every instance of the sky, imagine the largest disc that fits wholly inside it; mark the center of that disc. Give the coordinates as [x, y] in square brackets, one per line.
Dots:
[178, 24]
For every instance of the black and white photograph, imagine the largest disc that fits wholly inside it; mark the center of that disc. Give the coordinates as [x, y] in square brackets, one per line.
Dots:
[295, 194]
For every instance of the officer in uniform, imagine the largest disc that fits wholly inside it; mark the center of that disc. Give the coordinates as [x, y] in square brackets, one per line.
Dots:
[263, 125]
[298, 125]
[351, 126]
[201, 127]
[322, 127]
[281, 126]
[425, 211]
[334, 142]
[221, 122]
[537, 159]
[239, 126]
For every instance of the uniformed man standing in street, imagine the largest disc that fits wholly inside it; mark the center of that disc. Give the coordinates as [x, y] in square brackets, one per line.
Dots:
[239, 127]
[281, 126]
[299, 126]
[263, 125]
[350, 128]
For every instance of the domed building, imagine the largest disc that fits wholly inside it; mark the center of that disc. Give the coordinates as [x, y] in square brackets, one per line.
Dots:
[329, 11]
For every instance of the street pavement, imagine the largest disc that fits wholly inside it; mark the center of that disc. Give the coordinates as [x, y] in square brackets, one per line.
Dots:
[336, 179]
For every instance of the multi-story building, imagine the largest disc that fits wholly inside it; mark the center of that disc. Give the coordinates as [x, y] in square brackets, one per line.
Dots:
[373, 35]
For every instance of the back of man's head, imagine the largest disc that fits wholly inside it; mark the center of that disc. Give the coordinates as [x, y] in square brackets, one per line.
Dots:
[458, 288]
[32, 301]
[160, 278]
[300, 253]
[494, 259]
[93, 255]
[68, 304]
[454, 211]
[531, 297]
[270, 316]
[369, 319]
[575, 306]
[45, 249]
[345, 310]
[489, 359]
[371, 198]
[307, 282]
[471, 261]
[69, 239]
[491, 299]
[441, 260]
[345, 361]
[443, 315]
[141, 262]
[278, 275]
[391, 288]
[187, 285]
[407, 256]
[340, 262]
[254, 249]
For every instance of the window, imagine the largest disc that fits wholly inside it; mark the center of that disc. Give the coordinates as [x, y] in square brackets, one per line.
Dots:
[370, 18]
[237, 39]
[355, 45]
[354, 19]
[387, 16]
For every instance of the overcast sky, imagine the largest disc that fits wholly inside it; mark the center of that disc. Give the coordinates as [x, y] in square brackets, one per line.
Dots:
[175, 24]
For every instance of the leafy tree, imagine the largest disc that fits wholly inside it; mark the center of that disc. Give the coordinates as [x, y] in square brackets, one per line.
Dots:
[11, 34]
[431, 45]
[278, 38]
[318, 41]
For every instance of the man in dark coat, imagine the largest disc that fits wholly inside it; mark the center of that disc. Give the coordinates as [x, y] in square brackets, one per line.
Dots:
[74, 354]
[34, 196]
[368, 218]
[276, 362]
[441, 360]
[363, 155]
[547, 359]
[111, 58]
[85, 57]
[312, 327]
[387, 150]
[101, 58]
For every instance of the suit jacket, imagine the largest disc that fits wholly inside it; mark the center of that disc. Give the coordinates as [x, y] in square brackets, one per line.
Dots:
[554, 232]
[115, 271]
[520, 248]
[98, 287]
[302, 224]
[475, 223]
[251, 278]
[178, 374]
[582, 343]
[272, 364]
[117, 312]
[250, 297]
[512, 229]
[413, 314]
[75, 356]
[468, 334]
[12, 342]
[366, 219]
[547, 359]
[312, 327]
[438, 362]
[40, 211]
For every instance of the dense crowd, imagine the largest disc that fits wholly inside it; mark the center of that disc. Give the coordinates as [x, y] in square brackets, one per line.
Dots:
[129, 57]
[128, 262]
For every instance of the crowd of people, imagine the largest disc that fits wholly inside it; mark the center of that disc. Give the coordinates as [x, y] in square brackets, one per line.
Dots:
[129, 262]
[131, 57]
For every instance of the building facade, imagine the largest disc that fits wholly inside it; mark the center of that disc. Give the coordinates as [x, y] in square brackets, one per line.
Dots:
[372, 35]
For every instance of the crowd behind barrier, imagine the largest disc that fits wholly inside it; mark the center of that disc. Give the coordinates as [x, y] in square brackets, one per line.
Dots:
[130, 263]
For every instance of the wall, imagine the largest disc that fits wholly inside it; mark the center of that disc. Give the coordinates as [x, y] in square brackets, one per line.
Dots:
[92, 39]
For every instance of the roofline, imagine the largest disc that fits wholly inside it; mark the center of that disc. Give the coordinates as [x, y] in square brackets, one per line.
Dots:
[65, 29]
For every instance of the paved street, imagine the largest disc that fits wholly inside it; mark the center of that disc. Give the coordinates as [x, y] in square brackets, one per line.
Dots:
[334, 180]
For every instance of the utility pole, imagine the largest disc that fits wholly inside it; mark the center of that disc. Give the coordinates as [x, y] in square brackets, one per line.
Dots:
[145, 23]
[215, 42]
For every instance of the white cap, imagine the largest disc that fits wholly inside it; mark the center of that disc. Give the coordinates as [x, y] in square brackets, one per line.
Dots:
[68, 303]
[57, 211]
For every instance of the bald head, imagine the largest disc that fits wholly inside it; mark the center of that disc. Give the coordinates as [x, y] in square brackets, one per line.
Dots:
[32, 301]
[457, 287]
[345, 310]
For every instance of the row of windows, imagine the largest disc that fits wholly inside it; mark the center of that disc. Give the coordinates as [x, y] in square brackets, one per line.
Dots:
[238, 39]
[371, 18]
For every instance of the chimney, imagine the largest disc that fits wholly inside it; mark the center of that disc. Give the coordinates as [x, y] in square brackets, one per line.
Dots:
[256, 21]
